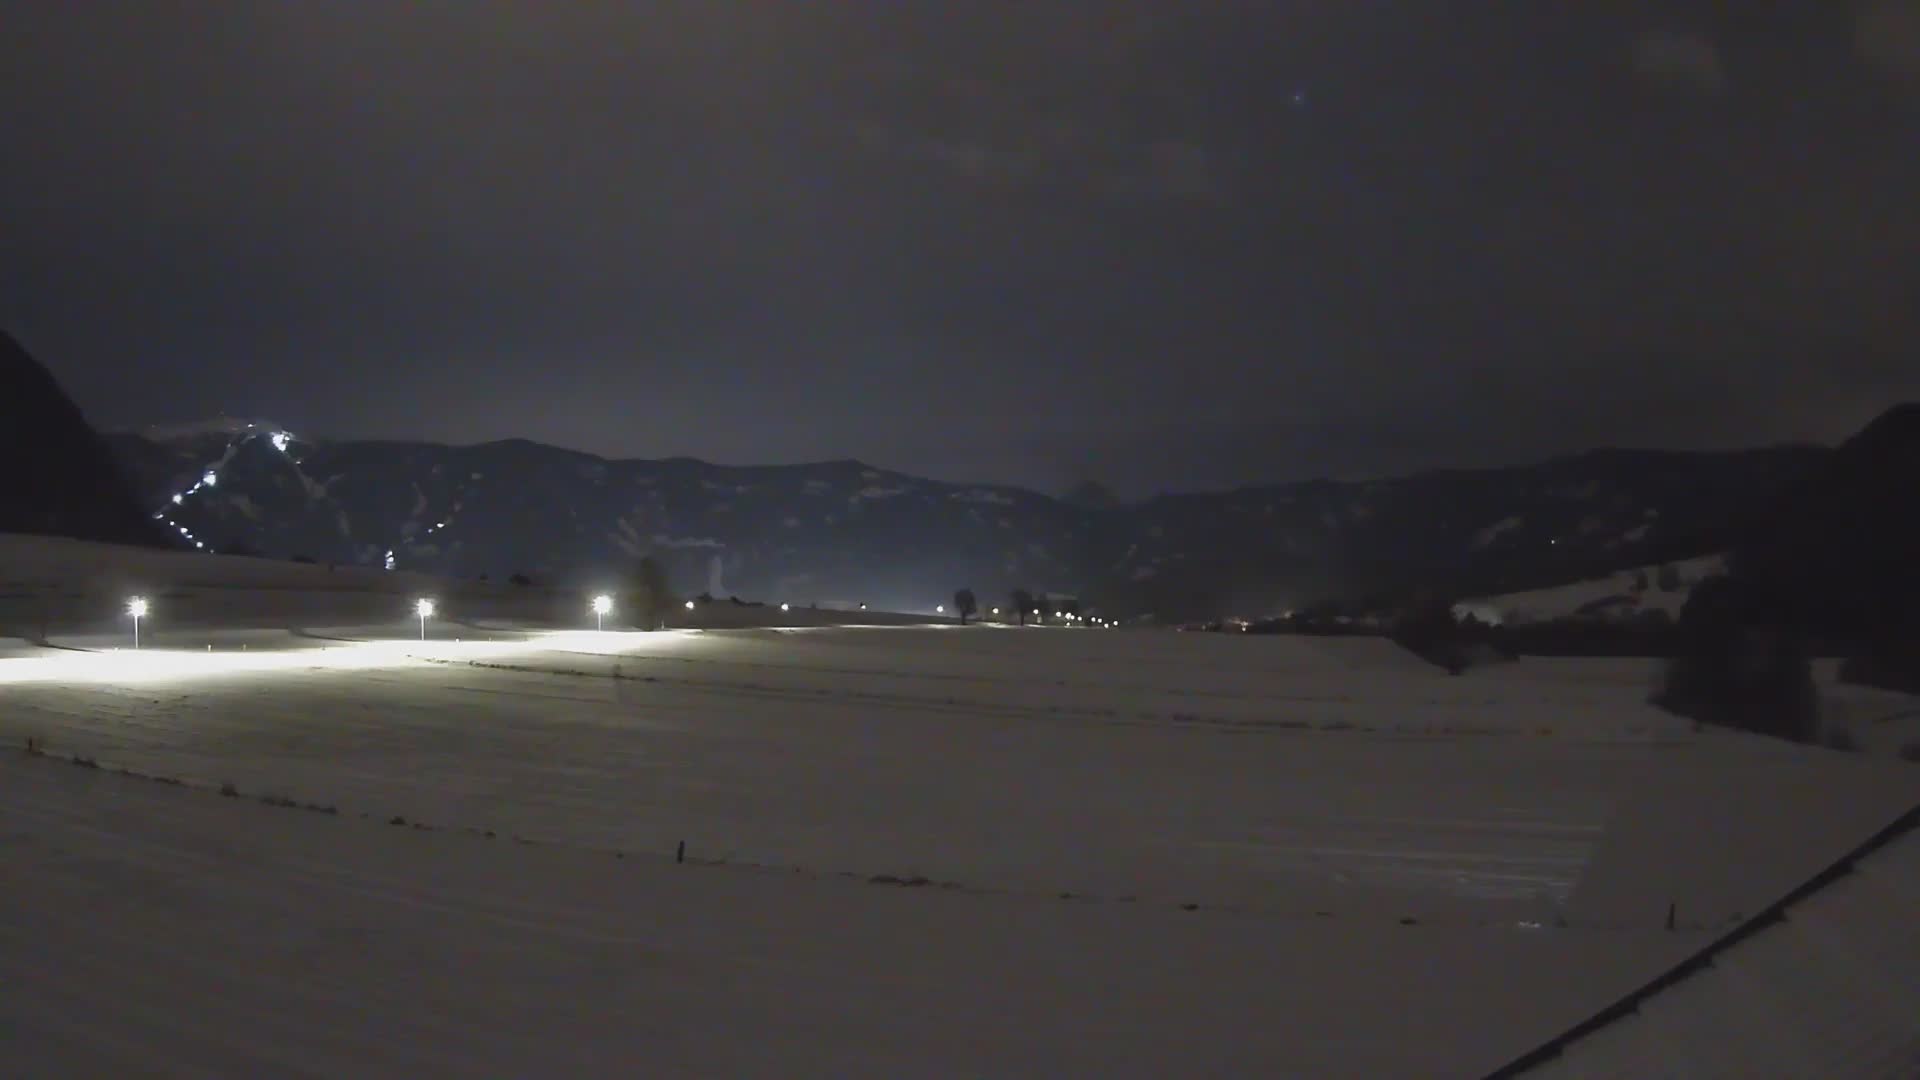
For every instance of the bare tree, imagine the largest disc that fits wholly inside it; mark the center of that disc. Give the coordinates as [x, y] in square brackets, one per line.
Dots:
[1022, 604]
[653, 594]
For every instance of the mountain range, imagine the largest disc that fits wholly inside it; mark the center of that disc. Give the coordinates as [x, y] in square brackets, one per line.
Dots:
[1831, 529]
[846, 532]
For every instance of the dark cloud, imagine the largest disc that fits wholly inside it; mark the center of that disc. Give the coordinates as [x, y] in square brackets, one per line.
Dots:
[1162, 245]
[1887, 35]
[1689, 61]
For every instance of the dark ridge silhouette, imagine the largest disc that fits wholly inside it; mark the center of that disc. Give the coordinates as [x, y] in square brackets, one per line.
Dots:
[64, 481]
[1839, 548]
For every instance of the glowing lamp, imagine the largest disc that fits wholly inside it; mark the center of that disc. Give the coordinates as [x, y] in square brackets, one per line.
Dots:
[137, 608]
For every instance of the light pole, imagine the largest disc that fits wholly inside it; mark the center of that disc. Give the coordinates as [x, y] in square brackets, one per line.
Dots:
[424, 609]
[137, 607]
[601, 605]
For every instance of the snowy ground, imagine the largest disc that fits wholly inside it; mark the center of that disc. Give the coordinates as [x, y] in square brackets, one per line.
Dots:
[1143, 853]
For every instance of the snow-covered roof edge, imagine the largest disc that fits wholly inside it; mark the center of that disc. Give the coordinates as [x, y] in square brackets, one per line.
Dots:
[1699, 962]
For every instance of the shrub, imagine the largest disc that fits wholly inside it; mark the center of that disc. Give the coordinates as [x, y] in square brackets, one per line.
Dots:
[1739, 665]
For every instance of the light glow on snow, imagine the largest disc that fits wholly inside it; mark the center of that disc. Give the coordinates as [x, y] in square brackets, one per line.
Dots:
[124, 666]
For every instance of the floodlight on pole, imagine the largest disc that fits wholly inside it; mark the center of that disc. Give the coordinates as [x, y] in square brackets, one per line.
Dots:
[689, 605]
[137, 607]
[939, 609]
[601, 605]
[786, 607]
[423, 608]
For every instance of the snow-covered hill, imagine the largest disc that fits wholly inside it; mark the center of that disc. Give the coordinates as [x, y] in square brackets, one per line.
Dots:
[1623, 596]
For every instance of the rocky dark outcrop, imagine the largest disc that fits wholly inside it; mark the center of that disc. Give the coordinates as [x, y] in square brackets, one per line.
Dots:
[61, 478]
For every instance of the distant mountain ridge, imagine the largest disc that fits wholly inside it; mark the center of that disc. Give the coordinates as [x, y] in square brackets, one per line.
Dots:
[845, 531]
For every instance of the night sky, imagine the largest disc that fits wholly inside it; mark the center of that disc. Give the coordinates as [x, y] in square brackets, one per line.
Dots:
[1167, 246]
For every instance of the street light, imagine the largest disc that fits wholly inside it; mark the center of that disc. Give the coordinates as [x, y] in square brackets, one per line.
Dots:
[601, 605]
[939, 609]
[137, 607]
[689, 605]
[786, 607]
[423, 608]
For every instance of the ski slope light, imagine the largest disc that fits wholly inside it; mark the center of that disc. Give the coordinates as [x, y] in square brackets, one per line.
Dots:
[423, 608]
[939, 609]
[280, 441]
[210, 479]
[689, 605]
[601, 605]
[786, 607]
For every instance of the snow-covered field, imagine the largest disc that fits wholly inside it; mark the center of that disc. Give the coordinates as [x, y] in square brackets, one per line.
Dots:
[1622, 595]
[911, 851]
